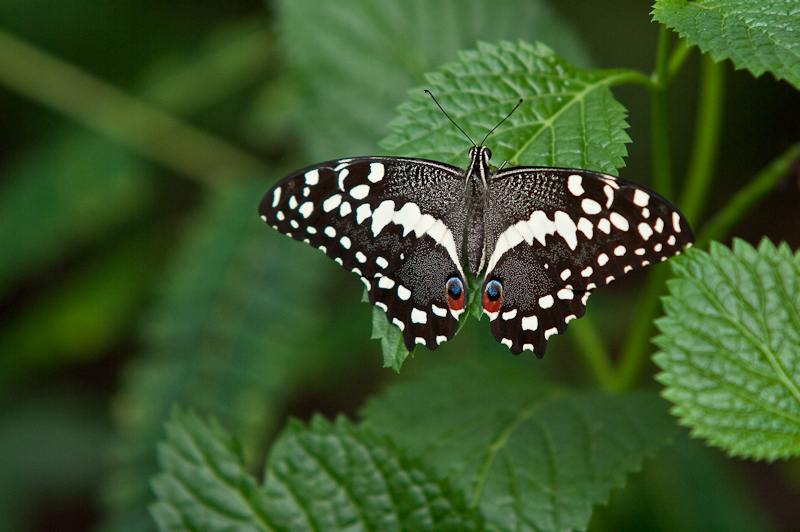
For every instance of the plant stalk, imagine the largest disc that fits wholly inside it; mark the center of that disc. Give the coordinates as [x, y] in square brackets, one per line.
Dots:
[101, 107]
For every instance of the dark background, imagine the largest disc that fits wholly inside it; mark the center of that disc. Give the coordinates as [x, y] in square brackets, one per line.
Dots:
[88, 273]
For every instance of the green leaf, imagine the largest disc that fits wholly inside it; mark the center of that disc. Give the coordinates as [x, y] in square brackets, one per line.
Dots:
[223, 338]
[530, 456]
[759, 35]
[204, 484]
[356, 59]
[326, 477]
[568, 118]
[392, 344]
[731, 348]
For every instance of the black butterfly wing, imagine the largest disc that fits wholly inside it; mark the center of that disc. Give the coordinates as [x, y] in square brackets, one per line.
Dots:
[396, 222]
[559, 233]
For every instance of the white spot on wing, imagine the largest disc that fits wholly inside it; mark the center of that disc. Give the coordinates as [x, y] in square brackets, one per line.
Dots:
[676, 222]
[530, 323]
[306, 209]
[383, 263]
[382, 216]
[376, 171]
[609, 195]
[408, 216]
[645, 231]
[510, 315]
[419, 316]
[360, 192]
[641, 198]
[546, 301]
[312, 177]
[276, 197]
[575, 185]
[585, 227]
[403, 292]
[439, 311]
[331, 203]
[385, 283]
[590, 206]
[566, 228]
[362, 213]
[602, 259]
[619, 221]
[345, 242]
[345, 209]
[342, 176]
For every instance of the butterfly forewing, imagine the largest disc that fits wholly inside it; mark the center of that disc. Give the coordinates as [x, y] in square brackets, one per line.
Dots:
[553, 235]
[394, 222]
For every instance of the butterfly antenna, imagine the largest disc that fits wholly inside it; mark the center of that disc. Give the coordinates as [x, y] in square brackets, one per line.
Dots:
[503, 120]
[448, 117]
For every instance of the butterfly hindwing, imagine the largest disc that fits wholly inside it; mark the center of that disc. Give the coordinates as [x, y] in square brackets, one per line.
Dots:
[390, 220]
[560, 233]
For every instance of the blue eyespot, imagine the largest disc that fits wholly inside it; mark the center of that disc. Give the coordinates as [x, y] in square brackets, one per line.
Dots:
[455, 293]
[492, 297]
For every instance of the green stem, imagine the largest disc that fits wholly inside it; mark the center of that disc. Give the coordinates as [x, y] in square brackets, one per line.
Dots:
[593, 350]
[100, 106]
[706, 141]
[721, 224]
[634, 355]
[660, 123]
[679, 55]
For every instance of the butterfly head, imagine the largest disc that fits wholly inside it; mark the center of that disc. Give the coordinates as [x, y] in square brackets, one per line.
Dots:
[482, 152]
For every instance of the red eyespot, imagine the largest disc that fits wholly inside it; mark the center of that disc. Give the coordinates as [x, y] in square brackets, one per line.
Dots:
[492, 297]
[455, 294]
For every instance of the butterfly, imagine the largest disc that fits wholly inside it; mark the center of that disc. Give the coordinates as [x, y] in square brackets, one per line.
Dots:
[541, 238]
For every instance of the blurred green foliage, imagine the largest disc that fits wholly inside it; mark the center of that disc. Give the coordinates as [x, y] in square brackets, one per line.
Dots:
[136, 139]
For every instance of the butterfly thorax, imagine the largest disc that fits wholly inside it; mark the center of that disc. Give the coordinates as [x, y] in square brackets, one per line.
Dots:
[477, 176]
